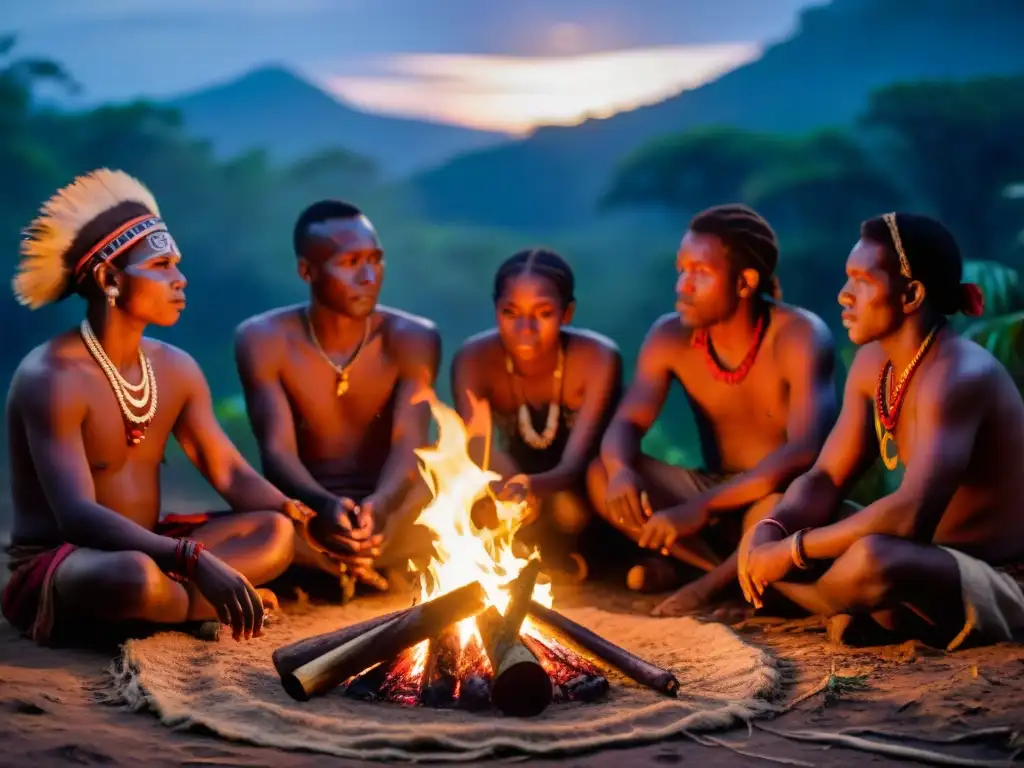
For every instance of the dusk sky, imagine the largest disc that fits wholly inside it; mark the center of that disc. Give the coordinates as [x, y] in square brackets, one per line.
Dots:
[502, 64]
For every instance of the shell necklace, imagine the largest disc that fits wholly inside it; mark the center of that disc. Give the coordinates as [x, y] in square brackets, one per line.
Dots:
[341, 370]
[525, 423]
[135, 424]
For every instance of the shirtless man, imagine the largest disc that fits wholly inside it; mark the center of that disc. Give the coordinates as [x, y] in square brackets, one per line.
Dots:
[86, 443]
[332, 391]
[945, 416]
[759, 377]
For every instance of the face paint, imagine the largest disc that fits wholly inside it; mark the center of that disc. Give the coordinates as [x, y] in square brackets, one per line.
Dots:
[161, 243]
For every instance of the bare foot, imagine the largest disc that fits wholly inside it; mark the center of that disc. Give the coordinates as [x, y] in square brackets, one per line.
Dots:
[652, 575]
[270, 601]
[732, 612]
[691, 599]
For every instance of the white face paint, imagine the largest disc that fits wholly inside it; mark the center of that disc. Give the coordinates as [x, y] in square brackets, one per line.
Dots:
[161, 243]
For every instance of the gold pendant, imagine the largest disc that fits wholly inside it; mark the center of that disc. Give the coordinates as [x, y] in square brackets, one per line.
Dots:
[889, 458]
[342, 385]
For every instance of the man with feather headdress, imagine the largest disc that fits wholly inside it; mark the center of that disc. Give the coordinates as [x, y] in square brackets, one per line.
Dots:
[87, 433]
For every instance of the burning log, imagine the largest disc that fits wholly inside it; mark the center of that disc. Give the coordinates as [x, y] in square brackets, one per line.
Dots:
[641, 671]
[521, 687]
[383, 642]
[403, 680]
[574, 678]
[475, 693]
[367, 686]
[441, 674]
[288, 658]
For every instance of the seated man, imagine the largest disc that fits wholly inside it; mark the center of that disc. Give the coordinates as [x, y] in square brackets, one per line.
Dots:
[551, 389]
[87, 435]
[332, 391]
[950, 421]
[759, 377]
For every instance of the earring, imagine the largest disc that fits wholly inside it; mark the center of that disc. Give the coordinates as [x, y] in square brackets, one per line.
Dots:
[112, 294]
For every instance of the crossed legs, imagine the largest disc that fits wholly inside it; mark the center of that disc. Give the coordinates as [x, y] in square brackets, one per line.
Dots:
[127, 586]
[666, 486]
[907, 588]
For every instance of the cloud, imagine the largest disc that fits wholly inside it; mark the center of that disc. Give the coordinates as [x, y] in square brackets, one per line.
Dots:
[516, 94]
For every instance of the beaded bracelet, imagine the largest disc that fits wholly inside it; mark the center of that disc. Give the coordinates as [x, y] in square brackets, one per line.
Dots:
[186, 560]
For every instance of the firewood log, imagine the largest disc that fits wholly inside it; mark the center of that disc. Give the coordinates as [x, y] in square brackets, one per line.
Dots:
[440, 674]
[643, 672]
[521, 687]
[288, 658]
[383, 642]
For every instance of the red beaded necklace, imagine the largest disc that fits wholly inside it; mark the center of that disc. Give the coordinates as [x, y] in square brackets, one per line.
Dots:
[889, 412]
[702, 340]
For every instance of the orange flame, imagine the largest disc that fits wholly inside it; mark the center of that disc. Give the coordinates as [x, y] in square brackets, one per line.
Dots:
[464, 552]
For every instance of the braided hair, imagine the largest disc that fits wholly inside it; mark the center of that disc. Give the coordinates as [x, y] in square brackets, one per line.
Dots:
[750, 240]
[542, 262]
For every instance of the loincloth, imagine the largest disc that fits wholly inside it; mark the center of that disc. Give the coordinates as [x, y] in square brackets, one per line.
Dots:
[28, 601]
[993, 598]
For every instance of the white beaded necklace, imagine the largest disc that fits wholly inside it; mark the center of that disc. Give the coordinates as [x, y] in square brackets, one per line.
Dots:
[525, 422]
[121, 387]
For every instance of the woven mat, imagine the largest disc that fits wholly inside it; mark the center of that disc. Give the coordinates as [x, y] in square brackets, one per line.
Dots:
[231, 689]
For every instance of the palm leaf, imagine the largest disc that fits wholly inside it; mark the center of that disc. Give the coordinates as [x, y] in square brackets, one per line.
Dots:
[1004, 337]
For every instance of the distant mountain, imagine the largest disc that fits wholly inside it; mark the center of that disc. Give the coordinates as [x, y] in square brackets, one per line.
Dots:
[276, 110]
[819, 76]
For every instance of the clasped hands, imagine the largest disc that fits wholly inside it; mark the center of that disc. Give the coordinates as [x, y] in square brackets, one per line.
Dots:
[630, 507]
[352, 534]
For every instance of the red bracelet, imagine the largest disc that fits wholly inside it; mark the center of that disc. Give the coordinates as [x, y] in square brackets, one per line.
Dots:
[186, 560]
[193, 560]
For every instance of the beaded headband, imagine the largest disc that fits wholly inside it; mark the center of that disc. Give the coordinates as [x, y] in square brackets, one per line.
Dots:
[894, 231]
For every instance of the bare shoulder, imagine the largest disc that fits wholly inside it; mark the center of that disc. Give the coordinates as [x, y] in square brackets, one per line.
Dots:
[477, 359]
[965, 375]
[49, 376]
[171, 358]
[592, 347]
[409, 336]
[401, 325]
[479, 349]
[667, 334]
[866, 368]
[270, 327]
[800, 332]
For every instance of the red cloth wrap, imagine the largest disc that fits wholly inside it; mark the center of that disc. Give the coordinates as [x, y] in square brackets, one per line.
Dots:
[27, 602]
[972, 300]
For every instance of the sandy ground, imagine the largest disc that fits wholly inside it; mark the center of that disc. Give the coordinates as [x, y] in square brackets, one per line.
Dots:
[50, 715]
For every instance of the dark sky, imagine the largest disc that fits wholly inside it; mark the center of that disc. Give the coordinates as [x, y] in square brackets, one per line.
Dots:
[123, 48]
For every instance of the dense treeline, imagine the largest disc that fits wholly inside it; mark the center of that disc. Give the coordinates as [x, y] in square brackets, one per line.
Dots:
[952, 149]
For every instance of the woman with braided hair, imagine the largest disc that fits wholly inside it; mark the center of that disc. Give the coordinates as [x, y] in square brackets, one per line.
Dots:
[550, 389]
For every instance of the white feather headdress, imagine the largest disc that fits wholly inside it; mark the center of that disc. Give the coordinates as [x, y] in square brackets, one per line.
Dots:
[44, 271]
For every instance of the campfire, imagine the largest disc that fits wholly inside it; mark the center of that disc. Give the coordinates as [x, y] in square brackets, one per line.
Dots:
[482, 634]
